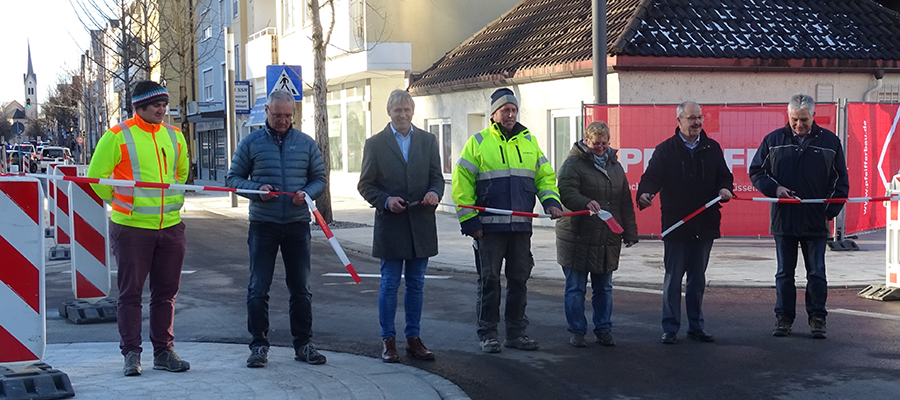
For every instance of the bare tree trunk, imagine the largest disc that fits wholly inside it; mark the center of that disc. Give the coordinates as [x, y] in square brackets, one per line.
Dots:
[323, 203]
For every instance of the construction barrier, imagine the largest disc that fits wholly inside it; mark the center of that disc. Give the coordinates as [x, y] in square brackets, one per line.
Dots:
[22, 326]
[90, 243]
[892, 252]
[50, 231]
[63, 226]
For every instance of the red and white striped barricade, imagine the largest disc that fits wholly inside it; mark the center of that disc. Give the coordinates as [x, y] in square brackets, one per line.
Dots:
[890, 290]
[51, 202]
[90, 242]
[22, 323]
[892, 250]
[63, 227]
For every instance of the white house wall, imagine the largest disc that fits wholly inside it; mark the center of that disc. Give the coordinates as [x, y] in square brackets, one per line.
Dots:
[675, 87]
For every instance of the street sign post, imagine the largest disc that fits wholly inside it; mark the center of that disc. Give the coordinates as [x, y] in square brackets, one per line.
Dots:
[242, 97]
[284, 77]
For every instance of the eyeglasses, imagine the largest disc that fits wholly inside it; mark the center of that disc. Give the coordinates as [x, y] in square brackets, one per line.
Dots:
[694, 118]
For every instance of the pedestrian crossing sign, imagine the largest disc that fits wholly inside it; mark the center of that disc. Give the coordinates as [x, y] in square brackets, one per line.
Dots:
[284, 77]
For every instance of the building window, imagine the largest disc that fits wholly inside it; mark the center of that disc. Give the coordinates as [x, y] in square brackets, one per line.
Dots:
[208, 84]
[207, 33]
[440, 128]
[237, 62]
[234, 8]
[347, 128]
[565, 128]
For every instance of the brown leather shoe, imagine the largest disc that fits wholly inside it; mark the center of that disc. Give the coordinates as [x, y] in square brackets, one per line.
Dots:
[416, 348]
[389, 355]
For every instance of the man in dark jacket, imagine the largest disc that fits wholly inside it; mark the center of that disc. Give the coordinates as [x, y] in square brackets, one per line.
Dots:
[801, 160]
[401, 177]
[687, 170]
[281, 159]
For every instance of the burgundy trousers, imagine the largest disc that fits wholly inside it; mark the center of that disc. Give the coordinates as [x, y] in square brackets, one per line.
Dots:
[157, 253]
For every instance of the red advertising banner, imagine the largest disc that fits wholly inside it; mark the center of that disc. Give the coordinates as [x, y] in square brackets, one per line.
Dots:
[873, 158]
[739, 129]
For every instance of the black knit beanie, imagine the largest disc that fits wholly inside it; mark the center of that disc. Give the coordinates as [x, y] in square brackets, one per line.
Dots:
[148, 92]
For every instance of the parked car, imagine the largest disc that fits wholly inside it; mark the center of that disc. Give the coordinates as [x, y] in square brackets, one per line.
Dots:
[13, 158]
[55, 154]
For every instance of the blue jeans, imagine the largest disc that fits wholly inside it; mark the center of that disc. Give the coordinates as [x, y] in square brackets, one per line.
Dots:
[601, 300]
[264, 240]
[813, 250]
[684, 258]
[412, 298]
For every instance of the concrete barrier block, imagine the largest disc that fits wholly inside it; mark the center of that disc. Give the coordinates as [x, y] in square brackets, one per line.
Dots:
[83, 312]
[880, 292]
[39, 382]
[60, 253]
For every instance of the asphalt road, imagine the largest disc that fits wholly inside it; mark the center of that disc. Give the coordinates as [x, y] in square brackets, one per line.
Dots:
[860, 358]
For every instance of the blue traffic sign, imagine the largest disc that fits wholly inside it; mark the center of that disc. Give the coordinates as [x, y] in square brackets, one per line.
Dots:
[284, 77]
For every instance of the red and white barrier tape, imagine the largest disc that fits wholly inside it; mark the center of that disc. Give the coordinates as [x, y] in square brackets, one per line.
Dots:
[332, 240]
[606, 216]
[197, 188]
[691, 215]
[798, 200]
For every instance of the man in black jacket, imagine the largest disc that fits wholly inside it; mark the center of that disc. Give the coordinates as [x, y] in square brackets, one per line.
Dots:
[801, 160]
[687, 170]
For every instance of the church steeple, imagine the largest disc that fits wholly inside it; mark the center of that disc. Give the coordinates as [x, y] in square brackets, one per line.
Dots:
[30, 88]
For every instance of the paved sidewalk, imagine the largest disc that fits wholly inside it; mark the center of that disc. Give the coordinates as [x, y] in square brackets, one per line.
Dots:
[217, 372]
[734, 262]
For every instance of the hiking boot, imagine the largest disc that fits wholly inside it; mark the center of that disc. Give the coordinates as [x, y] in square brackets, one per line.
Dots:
[782, 327]
[170, 361]
[309, 354]
[389, 350]
[259, 356]
[577, 340]
[522, 343]
[132, 364]
[817, 327]
[417, 349]
[606, 339]
[490, 346]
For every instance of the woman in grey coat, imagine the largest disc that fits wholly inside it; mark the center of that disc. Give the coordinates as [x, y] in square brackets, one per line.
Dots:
[592, 179]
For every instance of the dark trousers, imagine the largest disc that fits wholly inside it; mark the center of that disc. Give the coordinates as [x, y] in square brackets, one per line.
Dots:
[493, 248]
[813, 250]
[264, 240]
[158, 253]
[682, 258]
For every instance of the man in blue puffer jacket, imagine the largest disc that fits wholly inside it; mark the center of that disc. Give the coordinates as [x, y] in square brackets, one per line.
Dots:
[281, 159]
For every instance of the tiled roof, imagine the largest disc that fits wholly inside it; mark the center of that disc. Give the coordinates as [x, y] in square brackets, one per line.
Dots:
[553, 37]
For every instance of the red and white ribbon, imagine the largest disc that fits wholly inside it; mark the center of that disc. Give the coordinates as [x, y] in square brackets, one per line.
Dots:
[197, 188]
[691, 215]
[606, 216]
[331, 239]
[797, 200]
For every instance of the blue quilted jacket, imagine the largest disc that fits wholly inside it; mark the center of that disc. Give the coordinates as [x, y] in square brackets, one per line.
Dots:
[291, 165]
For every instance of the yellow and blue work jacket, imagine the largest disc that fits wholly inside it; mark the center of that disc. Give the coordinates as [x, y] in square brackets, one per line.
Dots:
[136, 150]
[507, 174]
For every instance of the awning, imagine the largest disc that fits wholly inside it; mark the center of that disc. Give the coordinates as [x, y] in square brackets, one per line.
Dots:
[257, 113]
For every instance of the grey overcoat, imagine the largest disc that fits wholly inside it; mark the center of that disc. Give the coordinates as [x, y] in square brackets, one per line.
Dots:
[412, 233]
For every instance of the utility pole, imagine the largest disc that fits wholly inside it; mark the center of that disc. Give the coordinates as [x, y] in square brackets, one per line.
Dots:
[230, 125]
[598, 14]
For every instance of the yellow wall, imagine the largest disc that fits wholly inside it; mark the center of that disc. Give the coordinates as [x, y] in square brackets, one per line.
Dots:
[434, 27]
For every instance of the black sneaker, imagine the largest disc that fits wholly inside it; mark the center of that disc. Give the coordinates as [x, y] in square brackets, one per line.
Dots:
[259, 356]
[309, 354]
[577, 340]
[782, 327]
[132, 364]
[701, 336]
[668, 338]
[170, 361]
[817, 327]
[605, 338]
[522, 343]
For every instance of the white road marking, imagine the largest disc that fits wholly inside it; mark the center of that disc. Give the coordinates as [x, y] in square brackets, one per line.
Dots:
[344, 274]
[69, 271]
[865, 314]
[639, 290]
